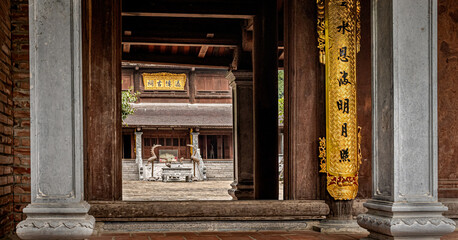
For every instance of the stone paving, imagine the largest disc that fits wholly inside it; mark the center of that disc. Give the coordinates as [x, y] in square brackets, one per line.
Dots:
[259, 235]
[176, 191]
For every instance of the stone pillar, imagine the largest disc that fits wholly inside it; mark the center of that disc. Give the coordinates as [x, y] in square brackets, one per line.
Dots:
[242, 130]
[138, 154]
[404, 202]
[195, 147]
[57, 209]
[265, 100]
[195, 141]
[138, 148]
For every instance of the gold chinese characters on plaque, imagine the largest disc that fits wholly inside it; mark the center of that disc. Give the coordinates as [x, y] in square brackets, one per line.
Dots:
[339, 37]
[164, 81]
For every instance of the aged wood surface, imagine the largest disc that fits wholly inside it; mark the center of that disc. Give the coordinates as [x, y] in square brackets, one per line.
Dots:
[208, 210]
[265, 101]
[102, 96]
[304, 116]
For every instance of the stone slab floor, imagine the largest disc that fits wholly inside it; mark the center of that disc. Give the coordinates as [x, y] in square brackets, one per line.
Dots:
[260, 235]
[177, 191]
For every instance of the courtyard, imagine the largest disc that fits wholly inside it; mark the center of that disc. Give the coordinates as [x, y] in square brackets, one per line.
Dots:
[177, 191]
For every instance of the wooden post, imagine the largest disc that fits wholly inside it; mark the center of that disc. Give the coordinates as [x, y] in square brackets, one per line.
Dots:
[192, 86]
[102, 99]
[304, 120]
[265, 100]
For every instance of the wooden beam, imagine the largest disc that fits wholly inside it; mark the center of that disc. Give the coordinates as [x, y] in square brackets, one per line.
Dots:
[188, 61]
[204, 28]
[175, 41]
[126, 47]
[236, 9]
[282, 55]
[203, 51]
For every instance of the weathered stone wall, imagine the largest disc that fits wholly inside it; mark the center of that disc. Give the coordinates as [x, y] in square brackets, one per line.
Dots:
[6, 122]
[448, 100]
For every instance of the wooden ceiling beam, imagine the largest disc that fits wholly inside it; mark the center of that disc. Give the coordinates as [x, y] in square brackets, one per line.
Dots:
[175, 41]
[235, 9]
[178, 60]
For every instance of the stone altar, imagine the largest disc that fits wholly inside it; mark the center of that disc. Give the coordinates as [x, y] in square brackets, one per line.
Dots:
[177, 173]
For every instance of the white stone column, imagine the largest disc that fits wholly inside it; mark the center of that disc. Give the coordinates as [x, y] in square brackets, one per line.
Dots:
[195, 147]
[195, 140]
[404, 203]
[57, 209]
[138, 154]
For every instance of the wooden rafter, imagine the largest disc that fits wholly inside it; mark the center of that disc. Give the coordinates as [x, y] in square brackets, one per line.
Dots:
[203, 51]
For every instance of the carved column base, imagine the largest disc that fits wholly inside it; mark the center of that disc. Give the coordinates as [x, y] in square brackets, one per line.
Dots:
[338, 227]
[388, 220]
[241, 191]
[56, 221]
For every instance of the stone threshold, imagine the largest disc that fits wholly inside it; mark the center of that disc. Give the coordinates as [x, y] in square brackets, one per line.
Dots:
[202, 226]
[250, 210]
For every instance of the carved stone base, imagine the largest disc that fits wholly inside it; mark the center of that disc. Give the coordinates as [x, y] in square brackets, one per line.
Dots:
[241, 191]
[387, 220]
[56, 221]
[339, 227]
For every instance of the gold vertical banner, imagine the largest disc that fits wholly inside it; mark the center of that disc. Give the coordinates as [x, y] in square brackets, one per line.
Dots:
[341, 37]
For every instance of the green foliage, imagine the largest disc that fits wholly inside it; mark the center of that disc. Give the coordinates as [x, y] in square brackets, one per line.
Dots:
[281, 95]
[281, 83]
[281, 109]
[128, 97]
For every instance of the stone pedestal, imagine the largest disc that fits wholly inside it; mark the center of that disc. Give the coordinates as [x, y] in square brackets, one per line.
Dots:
[242, 111]
[404, 204]
[57, 209]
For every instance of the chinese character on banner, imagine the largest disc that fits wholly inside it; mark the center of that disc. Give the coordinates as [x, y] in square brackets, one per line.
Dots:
[343, 54]
[343, 28]
[344, 130]
[343, 105]
[344, 155]
[343, 80]
[177, 83]
[150, 83]
[159, 83]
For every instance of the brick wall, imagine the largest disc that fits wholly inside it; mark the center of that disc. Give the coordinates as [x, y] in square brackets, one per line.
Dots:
[21, 101]
[6, 122]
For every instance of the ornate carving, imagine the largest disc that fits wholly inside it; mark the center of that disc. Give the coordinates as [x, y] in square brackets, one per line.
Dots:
[385, 222]
[56, 227]
[321, 31]
[339, 31]
[39, 224]
[322, 156]
[358, 26]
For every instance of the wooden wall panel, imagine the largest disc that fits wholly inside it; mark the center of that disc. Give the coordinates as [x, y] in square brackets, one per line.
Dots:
[447, 98]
